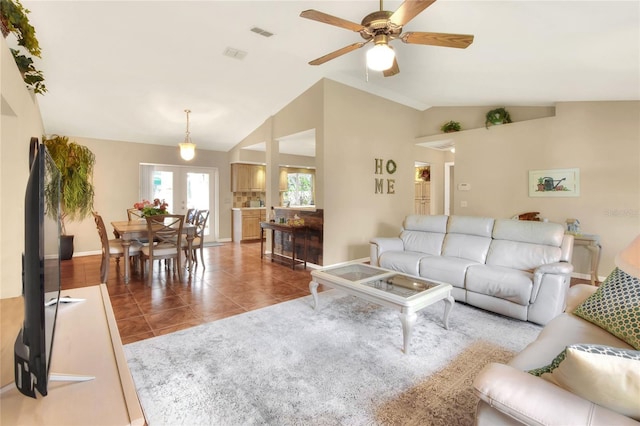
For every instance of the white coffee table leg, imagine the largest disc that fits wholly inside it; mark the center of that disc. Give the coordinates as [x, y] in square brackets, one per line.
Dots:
[407, 320]
[313, 287]
[448, 304]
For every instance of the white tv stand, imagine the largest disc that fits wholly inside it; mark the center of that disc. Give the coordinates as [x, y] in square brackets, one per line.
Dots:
[86, 343]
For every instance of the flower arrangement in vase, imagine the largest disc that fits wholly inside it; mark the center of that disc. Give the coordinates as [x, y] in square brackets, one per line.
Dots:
[148, 208]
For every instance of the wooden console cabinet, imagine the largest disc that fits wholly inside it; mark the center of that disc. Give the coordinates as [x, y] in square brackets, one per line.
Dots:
[86, 343]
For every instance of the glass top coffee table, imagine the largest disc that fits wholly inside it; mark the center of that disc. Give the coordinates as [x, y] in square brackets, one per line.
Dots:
[387, 288]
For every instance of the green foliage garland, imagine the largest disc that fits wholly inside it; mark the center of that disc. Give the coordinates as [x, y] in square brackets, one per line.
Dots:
[14, 19]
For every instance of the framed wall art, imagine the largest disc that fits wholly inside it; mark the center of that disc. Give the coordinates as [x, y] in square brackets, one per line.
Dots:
[554, 183]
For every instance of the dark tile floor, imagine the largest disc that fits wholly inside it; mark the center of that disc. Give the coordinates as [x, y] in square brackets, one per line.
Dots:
[234, 280]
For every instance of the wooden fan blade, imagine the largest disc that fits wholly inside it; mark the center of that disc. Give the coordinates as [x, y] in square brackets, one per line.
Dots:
[339, 52]
[409, 10]
[395, 69]
[460, 41]
[331, 20]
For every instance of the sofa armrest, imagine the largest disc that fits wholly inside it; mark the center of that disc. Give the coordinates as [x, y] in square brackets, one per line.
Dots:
[534, 401]
[556, 268]
[381, 244]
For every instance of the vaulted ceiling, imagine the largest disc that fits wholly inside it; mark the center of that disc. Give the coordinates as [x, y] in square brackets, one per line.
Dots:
[127, 70]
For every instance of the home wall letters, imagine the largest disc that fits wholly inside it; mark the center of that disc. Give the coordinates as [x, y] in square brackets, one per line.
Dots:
[380, 168]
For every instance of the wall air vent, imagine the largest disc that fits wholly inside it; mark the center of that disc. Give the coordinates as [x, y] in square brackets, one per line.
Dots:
[234, 53]
[262, 32]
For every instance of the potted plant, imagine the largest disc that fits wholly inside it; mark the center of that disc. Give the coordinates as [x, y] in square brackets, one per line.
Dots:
[75, 163]
[148, 208]
[451, 126]
[497, 116]
[14, 19]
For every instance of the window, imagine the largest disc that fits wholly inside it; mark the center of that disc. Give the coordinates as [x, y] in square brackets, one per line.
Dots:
[299, 189]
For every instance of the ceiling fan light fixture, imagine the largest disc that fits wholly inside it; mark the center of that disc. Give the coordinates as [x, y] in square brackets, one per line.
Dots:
[380, 57]
[187, 148]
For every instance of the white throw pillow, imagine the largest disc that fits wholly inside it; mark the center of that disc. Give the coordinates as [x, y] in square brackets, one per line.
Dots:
[607, 376]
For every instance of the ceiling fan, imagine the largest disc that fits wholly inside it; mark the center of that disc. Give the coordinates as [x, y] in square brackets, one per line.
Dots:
[383, 26]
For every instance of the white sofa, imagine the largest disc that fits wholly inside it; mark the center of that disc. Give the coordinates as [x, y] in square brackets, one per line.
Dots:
[520, 269]
[509, 395]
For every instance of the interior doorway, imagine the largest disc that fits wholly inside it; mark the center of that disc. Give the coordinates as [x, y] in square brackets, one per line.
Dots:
[422, 188]
[183, 188]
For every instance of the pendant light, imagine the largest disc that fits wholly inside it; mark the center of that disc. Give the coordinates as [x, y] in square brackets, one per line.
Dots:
[187, 148]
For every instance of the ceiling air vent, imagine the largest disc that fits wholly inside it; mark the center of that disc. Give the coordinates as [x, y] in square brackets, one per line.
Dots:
[234, 53]
[262, 32]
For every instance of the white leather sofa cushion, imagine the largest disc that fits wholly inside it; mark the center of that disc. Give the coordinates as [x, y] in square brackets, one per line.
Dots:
[407, 262]
[471, 225]
[424, 233]
[517, 255]
[450, 270]
[550, 234]
[426, 223]
[469, 247]
[424, 242]
[505, 283]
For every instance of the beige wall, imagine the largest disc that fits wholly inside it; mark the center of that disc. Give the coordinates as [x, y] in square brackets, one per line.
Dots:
[116, 178]
[602, 139]
[20, 121]
[303, 113]
[358, 129]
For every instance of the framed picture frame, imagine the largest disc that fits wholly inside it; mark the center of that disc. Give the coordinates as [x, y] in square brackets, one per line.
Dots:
[554, 183]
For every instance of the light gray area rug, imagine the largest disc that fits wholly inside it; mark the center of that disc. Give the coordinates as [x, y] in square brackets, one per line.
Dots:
[288, 364]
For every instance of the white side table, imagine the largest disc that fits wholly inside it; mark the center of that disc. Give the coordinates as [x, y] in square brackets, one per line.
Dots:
[592, 243]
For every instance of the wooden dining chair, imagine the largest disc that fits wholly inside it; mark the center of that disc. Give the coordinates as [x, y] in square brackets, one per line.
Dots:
[134, 214]
[190, 218]
[200, 223]
[112, 248]
[165, 230]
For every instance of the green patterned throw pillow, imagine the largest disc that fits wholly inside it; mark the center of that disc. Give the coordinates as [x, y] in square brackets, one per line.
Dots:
[615, 307]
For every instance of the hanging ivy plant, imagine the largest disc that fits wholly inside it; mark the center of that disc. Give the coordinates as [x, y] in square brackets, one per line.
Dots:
[31, 76]
[14, 19]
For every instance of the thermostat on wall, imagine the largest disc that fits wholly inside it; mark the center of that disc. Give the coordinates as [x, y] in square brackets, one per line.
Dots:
[464, 187]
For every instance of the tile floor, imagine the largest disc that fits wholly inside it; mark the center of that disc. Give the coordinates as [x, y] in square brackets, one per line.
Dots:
[234, 280]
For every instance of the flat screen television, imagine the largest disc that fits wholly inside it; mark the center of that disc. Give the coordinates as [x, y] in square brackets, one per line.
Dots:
[40, 273]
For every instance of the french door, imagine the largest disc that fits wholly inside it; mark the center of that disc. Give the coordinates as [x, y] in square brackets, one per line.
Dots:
[183, 188]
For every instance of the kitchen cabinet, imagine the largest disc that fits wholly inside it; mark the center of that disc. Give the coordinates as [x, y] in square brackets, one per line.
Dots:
[247, 177]
[246, 223]
[422, 198]
[283, 183]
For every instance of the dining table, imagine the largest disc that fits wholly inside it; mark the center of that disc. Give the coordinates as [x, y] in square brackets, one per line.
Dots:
[132, 230]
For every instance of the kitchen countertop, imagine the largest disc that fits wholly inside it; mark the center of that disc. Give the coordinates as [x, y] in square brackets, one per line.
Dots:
[248, 208]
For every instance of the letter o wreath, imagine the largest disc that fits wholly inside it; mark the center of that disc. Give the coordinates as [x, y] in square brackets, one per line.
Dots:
[391, 167]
